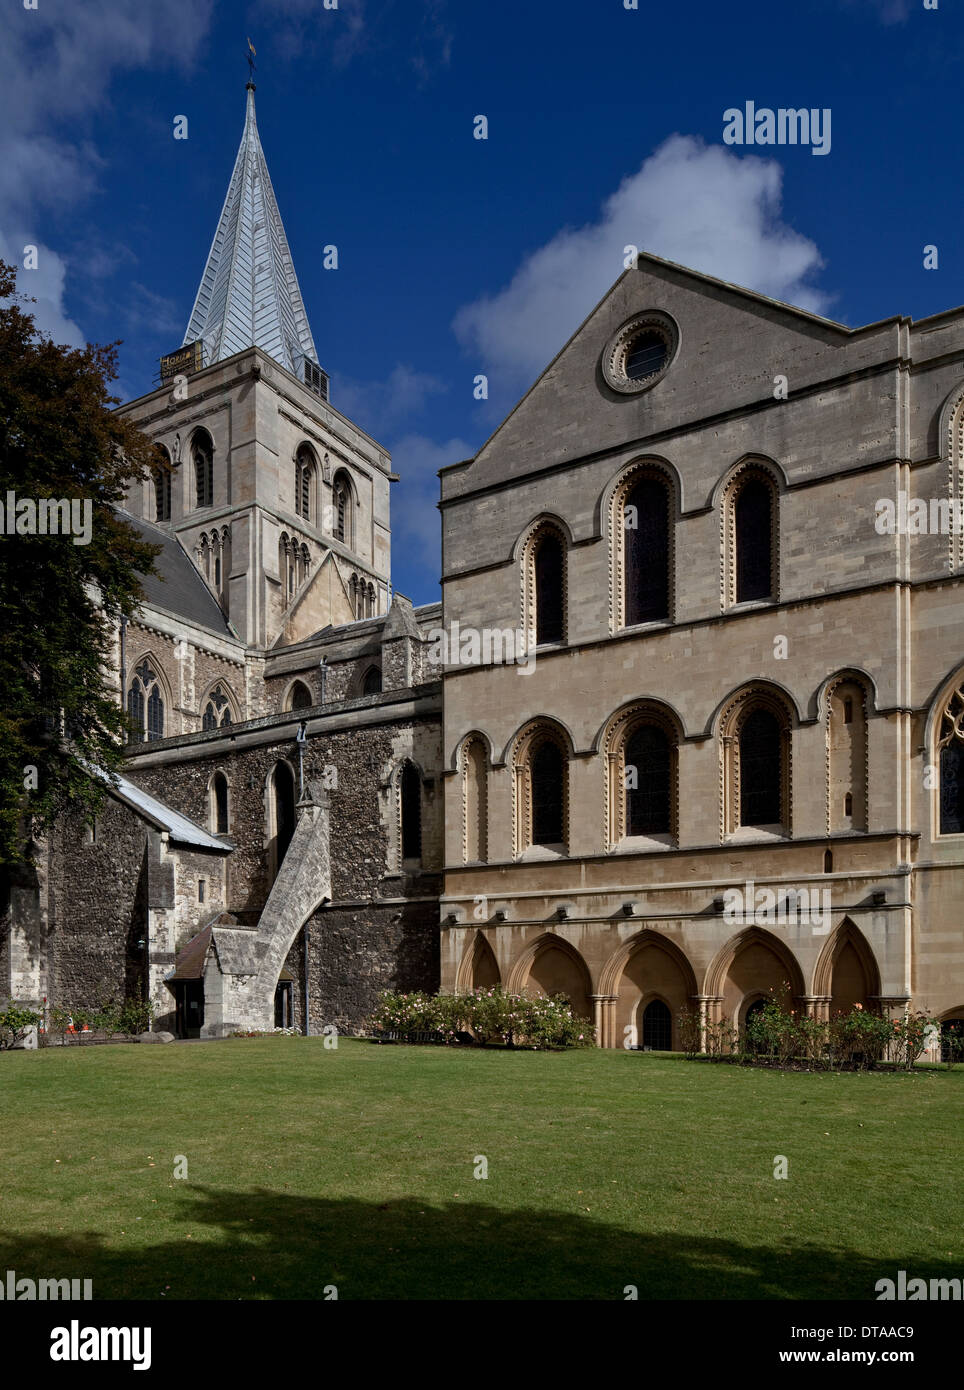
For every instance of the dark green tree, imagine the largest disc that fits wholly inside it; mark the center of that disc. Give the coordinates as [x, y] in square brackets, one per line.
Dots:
[60, 602]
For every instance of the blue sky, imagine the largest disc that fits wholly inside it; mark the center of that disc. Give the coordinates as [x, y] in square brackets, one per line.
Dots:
[456, 255]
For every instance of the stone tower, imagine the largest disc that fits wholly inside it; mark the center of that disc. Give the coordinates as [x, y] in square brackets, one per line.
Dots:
[282, 502]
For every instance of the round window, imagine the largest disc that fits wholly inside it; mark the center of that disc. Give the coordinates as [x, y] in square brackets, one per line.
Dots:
[639, 354]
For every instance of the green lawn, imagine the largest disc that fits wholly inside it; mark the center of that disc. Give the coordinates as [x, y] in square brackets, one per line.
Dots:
[354, 1167]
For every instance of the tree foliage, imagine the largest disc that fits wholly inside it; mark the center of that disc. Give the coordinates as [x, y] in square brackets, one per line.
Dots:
[60, 710]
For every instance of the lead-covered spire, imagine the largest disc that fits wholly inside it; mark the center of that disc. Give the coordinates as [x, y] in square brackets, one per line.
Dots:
[249, 293]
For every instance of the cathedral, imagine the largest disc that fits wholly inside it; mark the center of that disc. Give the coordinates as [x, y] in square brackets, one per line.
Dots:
[707, 738]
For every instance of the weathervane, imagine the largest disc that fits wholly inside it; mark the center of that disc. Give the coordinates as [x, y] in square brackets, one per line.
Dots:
[252, 54]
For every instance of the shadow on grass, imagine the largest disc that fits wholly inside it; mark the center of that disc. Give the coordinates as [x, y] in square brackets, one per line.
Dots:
[262, 1244]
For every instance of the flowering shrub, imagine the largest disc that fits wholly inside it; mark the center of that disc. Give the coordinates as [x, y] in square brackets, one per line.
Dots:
[490, 1014]
[786, 1036]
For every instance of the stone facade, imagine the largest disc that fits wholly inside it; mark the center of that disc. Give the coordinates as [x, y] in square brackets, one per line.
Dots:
[830, 421]
[577, 793]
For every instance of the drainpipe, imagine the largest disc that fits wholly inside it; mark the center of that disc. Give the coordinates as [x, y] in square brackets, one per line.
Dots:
[307, 940]
[123, 662]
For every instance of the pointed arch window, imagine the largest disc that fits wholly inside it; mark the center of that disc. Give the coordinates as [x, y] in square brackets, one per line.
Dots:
[951, 754]
[281, 812]
[202, 452]
[411, 812]
[341, 508]
[305, 482]
[299, 696]
[162, 485]
[145, 705]
[372, 683]
[219, 804]
[217, 710]
[657, 1027]
[646, 532]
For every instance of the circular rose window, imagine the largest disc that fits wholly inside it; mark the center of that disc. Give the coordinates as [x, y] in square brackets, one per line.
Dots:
[640, 353]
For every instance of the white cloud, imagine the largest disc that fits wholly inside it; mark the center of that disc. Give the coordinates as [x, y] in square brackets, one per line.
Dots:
[56, 64]
[46, 286]
[416, 520]
[378, 407]
[699, 205]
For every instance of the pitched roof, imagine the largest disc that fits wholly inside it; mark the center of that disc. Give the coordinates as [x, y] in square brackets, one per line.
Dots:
[180, 829]
[178, 587]
[249, 295]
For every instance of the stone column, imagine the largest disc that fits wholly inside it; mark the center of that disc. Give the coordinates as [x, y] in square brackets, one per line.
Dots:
[603, 1018]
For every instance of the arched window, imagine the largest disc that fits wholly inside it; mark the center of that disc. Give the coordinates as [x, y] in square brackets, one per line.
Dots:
[202, 452]
[289, 558]
[411, 812]
[282, 812]
[204, 555]
[372, 682]
[341, 507]
[305, 563]
[847, 756]
[657, 1027]
[647, 779]
[761, 776]
[371, 601]
[304, 482]
[548, 771]
[219, 804]
[540, 764]
[545, 580]
[475, 802]
[223, 588]
[162, 485]
[145, 705]
[951, 752]
[753, 537]
[646, 542]
[299, 696]
[755, 750]
[217, 710]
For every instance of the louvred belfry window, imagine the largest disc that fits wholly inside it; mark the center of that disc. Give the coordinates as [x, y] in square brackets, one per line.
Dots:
[203, 472]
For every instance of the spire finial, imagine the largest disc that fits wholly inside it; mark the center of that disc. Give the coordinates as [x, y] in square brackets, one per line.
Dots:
[252, 54]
